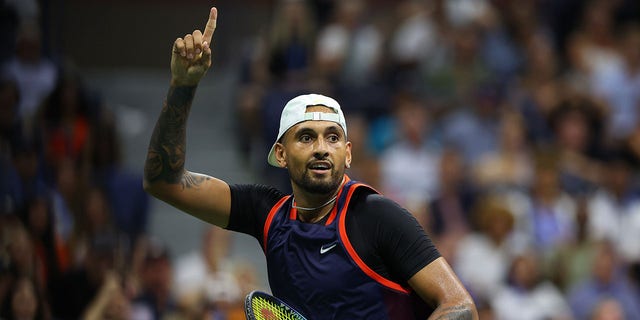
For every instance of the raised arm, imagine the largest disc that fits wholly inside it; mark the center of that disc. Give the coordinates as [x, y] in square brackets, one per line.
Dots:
[438, 284]
[165, 177]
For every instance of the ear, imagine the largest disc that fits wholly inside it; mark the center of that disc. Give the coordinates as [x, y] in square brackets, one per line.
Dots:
[280, 154]
[347, 162]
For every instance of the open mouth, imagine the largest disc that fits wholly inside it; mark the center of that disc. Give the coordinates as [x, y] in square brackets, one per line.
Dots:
[320, 167]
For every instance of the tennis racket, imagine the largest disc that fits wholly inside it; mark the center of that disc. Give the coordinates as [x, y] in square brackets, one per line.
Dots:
[263, 306]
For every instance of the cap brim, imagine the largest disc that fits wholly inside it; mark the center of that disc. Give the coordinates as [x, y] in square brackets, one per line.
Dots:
[271, 158]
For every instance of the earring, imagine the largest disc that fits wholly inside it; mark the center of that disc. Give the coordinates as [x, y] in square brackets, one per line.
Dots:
[348, 166]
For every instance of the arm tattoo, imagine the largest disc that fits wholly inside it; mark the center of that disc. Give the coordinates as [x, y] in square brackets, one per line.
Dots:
[193, 180]
[167, 148]
[453, 313]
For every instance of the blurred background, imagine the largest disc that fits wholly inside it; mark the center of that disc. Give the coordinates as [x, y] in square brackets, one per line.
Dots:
[510, 129]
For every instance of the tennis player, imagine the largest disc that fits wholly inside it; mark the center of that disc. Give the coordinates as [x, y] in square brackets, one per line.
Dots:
[335, 248]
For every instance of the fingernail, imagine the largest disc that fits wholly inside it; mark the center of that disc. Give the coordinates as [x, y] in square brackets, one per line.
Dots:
[183, 54]
[198, 51]
[190, 56]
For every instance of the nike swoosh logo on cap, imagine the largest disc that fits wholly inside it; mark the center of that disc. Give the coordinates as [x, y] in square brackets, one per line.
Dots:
[325, 248]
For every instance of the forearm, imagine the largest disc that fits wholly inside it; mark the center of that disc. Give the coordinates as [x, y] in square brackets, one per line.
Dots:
[438, 285]
[165, 176]
[167, 148]
[457, 312]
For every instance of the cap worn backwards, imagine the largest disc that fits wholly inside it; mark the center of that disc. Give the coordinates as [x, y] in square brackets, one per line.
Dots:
[295, 111]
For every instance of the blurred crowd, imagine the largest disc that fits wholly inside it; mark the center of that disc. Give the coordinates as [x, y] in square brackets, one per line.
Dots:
[510, 129]
[74, 238]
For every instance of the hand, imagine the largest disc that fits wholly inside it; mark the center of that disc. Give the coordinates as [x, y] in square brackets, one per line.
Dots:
[191, 57]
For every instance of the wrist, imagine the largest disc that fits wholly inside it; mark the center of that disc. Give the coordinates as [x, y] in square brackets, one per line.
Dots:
[180, 94]
[182, 83]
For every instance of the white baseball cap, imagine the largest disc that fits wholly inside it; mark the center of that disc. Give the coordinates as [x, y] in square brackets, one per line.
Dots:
[295, 111]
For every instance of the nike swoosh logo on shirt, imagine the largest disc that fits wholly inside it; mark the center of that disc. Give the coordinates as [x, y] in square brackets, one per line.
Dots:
[326, 248]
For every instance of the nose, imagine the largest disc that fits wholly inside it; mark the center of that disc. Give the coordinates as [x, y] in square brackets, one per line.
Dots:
[321, 150]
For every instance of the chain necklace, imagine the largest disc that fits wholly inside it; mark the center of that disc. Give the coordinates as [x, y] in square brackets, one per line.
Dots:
[314, 208]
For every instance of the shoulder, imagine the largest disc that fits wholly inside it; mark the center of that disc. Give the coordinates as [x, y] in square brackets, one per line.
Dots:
[379, 214]
[375, 205]
[255, 192]
[388, 237]
[250, 205]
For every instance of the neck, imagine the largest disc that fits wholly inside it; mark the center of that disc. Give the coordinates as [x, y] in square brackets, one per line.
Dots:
[315, 214]
[330, 201]
[312, 208]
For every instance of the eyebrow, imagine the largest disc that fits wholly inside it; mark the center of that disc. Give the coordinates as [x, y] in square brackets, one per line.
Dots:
[336, 129]
[303, 130]
[330, 129]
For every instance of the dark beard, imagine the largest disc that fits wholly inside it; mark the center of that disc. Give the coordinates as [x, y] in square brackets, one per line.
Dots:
[318, 187]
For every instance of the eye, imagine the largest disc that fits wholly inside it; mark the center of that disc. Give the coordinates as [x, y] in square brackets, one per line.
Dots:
[333, 138]
[305, 138]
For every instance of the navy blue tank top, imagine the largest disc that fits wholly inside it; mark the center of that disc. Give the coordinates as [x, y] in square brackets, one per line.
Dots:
[314, 268]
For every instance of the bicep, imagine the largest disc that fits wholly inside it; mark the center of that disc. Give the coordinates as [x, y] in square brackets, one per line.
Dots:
[202, 196]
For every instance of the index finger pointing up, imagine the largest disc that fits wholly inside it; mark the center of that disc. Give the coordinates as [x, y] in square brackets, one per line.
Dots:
[211, 25]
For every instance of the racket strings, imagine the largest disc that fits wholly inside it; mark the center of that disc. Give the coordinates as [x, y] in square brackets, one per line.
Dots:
[267, 310]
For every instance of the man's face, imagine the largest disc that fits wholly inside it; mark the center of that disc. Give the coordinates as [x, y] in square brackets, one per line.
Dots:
[315, 153]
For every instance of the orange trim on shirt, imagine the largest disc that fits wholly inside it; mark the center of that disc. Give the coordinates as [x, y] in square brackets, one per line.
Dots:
[352, 252]
[334, 211]
[267, 223]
